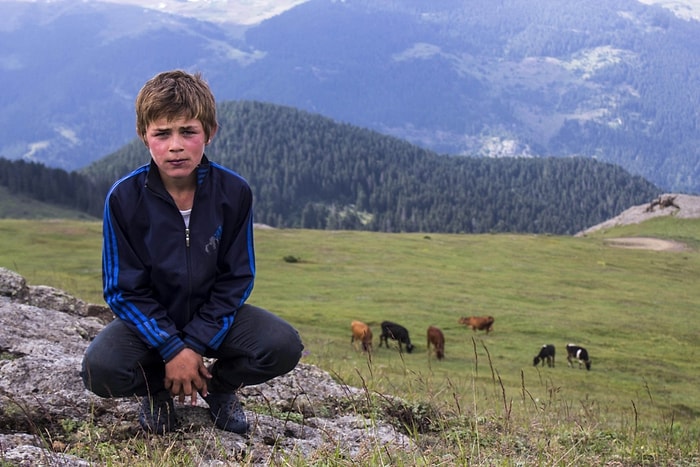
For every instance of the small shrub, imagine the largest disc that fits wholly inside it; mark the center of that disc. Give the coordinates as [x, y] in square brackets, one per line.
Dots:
[417, 418]
[5, 354]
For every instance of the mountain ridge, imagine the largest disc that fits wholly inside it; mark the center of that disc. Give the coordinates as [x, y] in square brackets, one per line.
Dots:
[308, 171]
[518, 79]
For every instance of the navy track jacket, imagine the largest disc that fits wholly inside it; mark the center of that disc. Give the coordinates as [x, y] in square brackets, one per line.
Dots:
[178, 287]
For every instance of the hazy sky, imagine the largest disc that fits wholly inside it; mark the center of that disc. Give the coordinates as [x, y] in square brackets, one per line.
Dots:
[254, 11]
[218, 11]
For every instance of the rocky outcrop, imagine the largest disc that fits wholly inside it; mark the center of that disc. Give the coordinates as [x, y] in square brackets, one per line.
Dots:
[43, 334]
[668, 204]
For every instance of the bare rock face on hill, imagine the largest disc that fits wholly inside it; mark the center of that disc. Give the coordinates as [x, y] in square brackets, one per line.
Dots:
[43, 335]
[677, 205]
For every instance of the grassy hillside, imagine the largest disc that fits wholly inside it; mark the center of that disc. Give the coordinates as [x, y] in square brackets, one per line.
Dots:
[633, 309]
[24, 207]
[308, 171]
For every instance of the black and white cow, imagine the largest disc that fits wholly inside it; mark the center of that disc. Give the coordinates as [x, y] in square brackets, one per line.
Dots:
[547, 352]
[396, 332]
[576, 352]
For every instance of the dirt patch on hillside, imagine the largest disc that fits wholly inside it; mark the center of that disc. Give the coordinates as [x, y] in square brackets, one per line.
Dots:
[646, 243]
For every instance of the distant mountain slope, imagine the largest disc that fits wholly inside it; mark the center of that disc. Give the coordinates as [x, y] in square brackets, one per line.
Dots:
[618, 81]
[686, 9]
[597, 79]
[20, 206]
[308, 171]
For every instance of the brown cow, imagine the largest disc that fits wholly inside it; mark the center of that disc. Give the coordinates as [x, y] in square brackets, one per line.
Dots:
[482, 323]
[437, 339]
[361, 333]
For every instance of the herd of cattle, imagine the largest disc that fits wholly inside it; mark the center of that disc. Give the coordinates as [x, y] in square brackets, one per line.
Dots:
[362, 336]
[573, 353]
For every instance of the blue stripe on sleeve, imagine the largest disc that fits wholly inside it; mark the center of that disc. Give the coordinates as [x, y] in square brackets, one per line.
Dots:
[110, 277]
[219, 337]
[251, 250]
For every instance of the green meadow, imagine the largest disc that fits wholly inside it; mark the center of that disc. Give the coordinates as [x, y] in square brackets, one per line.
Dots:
[636, 311]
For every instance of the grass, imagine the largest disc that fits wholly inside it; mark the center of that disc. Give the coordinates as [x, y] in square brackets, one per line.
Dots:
[16, 206]
[60, 253]
[633, 309]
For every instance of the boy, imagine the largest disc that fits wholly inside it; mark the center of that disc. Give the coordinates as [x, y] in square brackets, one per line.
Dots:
[177, 266]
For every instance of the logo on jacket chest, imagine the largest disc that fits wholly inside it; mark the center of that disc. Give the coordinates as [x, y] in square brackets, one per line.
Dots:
[213, 243]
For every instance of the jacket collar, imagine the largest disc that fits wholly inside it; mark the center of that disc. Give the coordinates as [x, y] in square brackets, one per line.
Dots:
[154, 182]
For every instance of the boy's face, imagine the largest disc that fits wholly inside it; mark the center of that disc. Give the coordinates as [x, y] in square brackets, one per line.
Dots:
[177, 146]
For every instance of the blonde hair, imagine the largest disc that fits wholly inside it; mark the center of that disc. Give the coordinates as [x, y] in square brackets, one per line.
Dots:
[175, 94]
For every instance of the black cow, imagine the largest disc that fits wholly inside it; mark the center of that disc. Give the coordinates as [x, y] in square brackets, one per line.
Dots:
[396, 332]
[577, 352]
[547, 352]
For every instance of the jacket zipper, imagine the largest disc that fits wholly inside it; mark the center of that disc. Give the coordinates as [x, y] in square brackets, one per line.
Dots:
[187, 246]
[188, 253]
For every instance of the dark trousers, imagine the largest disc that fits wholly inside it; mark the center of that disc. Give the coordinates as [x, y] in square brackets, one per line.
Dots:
[259, 347]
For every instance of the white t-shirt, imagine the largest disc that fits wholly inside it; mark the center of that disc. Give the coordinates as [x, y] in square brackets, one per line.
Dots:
[186, 217]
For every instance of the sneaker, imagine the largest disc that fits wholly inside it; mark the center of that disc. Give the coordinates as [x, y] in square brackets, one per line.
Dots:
[227, 413]
[157, 414]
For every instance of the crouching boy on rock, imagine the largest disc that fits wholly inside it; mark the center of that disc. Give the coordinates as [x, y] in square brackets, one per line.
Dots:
[178, 265]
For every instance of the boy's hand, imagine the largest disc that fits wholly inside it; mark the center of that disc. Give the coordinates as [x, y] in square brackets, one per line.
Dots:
[185, 375]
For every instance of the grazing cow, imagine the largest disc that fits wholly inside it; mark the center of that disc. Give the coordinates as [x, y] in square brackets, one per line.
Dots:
[437, 339]
[577, 352]
[398, 333]
[361, 333]
[482, 323]
[547, 352]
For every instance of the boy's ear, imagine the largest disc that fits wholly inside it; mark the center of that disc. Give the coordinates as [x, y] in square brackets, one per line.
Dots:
[213, 132]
